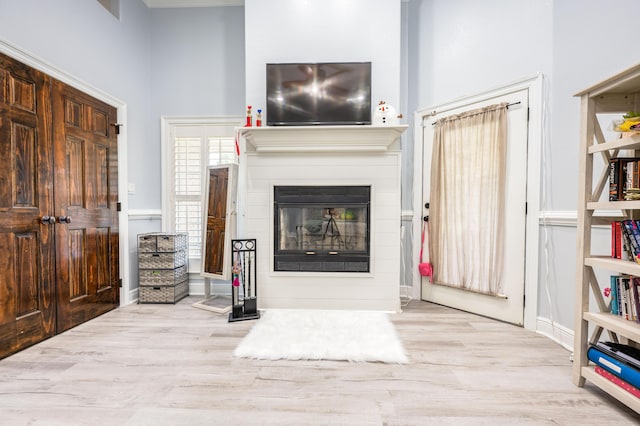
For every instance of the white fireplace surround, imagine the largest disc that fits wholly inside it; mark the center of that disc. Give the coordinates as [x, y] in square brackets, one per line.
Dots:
[315, 156]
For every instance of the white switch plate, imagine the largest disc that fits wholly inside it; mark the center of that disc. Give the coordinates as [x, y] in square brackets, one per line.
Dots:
[131, 188]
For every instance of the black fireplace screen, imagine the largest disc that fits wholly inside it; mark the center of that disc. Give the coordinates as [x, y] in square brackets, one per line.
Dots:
[321, 228]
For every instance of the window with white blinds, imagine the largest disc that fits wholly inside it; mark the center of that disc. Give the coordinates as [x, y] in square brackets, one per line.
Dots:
[192, 149]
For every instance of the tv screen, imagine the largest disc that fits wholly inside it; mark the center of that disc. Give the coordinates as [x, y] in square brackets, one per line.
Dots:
[318, 93]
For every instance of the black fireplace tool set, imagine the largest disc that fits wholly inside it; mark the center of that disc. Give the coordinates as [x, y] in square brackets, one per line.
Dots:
[243, 276]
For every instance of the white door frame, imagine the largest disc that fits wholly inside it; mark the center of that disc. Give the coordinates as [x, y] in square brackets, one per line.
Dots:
[534, 85]
[126, 296]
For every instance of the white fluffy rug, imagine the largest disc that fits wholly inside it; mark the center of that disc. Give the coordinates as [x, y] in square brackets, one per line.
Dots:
[322, 334]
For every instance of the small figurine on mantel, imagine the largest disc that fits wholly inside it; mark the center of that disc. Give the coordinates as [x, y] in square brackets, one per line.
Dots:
[249, 122]
[386, 115]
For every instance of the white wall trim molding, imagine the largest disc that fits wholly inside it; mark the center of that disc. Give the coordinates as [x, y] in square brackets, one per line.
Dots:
[63, 76]
[406, 215]
[558, 333]
[133, 297]
[570, 217]
[141, 214]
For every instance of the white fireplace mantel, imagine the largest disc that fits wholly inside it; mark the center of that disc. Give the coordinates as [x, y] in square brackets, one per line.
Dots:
[325, 156]
[322, 138]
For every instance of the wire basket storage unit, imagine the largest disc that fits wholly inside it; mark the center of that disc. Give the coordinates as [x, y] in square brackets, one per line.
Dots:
[163, 273]
[243, 281]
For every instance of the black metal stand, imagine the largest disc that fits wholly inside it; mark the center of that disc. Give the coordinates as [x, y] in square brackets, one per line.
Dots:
[333, 231]
[243, 277]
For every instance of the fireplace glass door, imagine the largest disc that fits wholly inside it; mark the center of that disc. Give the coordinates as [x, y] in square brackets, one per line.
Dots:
[322, 229]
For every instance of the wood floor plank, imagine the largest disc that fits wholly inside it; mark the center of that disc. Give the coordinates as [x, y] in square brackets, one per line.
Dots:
[174, 365]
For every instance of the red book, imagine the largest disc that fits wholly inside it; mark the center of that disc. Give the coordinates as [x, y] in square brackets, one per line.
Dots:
[618, 237]
[618, 381]
[613, 239]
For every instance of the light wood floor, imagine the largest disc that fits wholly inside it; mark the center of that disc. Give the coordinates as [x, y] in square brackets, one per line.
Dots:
[173, 365]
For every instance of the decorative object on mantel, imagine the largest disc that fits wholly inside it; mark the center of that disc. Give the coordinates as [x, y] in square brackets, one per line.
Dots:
[259, 118]
[386, 115]
[249, 122]
[243, 262]
[295, 334]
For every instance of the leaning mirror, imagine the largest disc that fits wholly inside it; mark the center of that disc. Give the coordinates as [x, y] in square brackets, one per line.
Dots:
[219, 220]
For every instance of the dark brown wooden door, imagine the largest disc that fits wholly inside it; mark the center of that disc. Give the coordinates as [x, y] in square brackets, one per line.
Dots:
[86, 197]
[27, 305]
[216, 220]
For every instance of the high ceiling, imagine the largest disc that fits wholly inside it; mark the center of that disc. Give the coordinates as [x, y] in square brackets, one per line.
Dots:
[192, 3]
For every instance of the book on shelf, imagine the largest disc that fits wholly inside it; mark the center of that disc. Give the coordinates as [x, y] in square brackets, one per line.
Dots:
[616, 240]
[624, 353]
[623, 288]
[635, 287]
[615, 366]
[615, 302]
[630, 232]
[621, 247]
[618, 381]
[624, 175]
[614, 179]
[625, 297]
[627, 251]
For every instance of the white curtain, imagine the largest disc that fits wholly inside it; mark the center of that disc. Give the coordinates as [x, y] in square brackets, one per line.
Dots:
[467, 199]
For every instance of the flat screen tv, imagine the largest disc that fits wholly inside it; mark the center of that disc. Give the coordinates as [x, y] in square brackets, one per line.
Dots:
[328, 93]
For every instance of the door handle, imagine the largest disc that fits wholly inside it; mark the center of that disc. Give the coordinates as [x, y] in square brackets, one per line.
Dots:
[47, 220]
[64, 219]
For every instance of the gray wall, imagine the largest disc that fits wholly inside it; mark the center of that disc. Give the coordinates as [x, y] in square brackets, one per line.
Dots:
[84, 40]
[463, 47]
[197, 69]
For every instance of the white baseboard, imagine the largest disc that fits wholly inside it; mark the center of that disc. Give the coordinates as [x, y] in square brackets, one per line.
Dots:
[558, 333]
[132, 298]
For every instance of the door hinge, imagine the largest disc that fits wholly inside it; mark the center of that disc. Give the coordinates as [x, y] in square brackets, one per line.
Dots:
[524, 300]
[526, 208]
[528, 110]
[118, 206]
[120, 282]
[117, 126]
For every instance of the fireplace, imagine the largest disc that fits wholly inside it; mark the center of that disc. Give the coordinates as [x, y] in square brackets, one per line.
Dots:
[323, 204]
[321, 228]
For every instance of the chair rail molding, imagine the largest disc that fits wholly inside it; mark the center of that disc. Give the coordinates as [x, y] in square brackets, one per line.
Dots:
[145, 214]
[570, 217]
